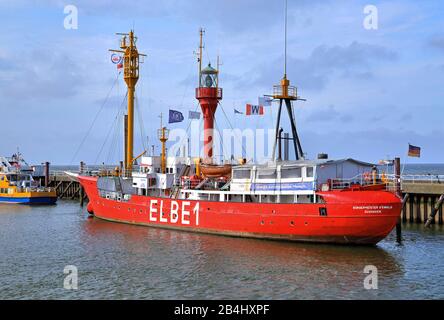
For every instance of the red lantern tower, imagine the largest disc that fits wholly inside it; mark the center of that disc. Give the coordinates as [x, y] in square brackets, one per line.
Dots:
[208, 93]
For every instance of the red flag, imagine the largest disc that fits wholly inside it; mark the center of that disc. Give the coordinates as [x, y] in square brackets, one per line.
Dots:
[254, 110]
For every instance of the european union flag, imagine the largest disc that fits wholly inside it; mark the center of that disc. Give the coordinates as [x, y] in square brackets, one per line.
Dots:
[175, 116]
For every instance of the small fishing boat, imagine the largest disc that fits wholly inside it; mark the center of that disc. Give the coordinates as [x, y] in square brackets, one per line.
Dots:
[18, 186]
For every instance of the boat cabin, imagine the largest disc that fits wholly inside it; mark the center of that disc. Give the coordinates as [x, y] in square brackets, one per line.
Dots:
[16, 182]
[275, 182]
[283, 182]
[151, 181]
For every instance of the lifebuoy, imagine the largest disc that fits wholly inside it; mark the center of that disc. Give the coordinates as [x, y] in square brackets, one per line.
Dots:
[367, 176]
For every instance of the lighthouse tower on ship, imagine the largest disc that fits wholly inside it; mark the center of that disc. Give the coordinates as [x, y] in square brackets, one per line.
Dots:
[208, 93]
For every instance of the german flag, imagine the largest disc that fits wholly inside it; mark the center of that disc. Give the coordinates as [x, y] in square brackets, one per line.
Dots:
[414, 151]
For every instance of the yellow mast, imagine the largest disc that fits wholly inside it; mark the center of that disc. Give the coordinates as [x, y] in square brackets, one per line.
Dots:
[163, 137]
[131, 75]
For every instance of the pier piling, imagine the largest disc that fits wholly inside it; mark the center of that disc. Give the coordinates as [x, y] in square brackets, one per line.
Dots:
[438, 207]
[46, 174]
[81, 191]
[399, 193]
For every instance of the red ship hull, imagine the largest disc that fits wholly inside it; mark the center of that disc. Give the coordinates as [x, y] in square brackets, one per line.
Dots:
[349, 217]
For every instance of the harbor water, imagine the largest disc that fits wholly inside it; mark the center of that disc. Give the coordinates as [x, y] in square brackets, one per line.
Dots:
[118, 261]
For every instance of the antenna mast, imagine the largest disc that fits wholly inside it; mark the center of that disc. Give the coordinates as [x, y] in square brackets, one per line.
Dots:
[286, 94]
[201, 33]
[285, 49]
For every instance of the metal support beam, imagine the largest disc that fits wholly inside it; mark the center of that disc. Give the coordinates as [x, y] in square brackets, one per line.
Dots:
[404, 203]
[435, 210]
[278, 121]
[286, 146]
[297, 144]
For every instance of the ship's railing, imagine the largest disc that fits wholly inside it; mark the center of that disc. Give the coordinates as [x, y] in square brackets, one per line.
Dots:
[94, 171]
[422, 178]
[389, 180]
[35, 189]
[279, 91]
[366, 179]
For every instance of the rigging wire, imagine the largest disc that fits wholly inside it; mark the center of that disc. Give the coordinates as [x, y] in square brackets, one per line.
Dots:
[235, 132]
[95, 119]
[141, 124]
[115, 140]
[112, 148]
[188, 83]
[112, 127]
[221, 140]
[188, 128]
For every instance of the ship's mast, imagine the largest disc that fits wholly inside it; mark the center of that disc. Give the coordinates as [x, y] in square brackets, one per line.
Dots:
[201, 33]
[162, 134]
[131, 75]
[286, 93]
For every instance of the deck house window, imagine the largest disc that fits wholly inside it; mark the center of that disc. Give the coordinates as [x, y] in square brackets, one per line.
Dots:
[266, 174]
[309, 172]
[288, 173]
[241, 174]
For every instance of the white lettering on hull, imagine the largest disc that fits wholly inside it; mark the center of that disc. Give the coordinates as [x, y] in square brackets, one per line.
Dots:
[176, 211]
[372, 209]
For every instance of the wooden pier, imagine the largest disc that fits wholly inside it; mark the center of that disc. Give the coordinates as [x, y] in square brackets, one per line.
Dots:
[66, 186]
[421, 197]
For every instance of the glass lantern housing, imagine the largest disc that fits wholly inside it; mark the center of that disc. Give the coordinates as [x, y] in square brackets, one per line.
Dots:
[208, 77]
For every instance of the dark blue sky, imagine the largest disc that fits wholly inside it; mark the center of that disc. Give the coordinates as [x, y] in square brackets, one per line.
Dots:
[369, 92]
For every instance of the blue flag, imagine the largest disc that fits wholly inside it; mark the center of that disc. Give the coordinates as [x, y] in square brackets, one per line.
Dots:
[237, 112]
[175, 116]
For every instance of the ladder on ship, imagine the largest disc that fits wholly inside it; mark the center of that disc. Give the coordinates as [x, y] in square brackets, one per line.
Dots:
[176, 188]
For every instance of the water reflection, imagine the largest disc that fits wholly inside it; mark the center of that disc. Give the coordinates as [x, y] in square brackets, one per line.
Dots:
[240, 267]
[118, 261]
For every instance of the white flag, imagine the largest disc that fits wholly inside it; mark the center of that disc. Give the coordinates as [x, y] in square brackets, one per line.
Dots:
[264, 101]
